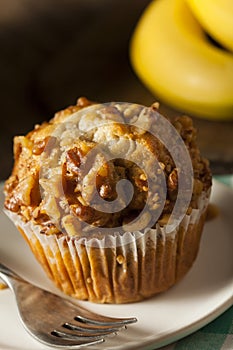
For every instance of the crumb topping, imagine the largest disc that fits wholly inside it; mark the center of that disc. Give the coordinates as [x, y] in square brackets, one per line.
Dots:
[59, 167]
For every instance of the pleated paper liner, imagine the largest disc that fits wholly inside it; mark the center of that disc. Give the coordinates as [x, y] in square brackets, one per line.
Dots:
[118, 268]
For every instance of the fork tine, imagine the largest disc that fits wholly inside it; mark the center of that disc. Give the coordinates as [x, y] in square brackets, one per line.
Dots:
[82, 328]
[88, 334]
[90, 317]
[43, 311]
[106, 321]
[79, 337]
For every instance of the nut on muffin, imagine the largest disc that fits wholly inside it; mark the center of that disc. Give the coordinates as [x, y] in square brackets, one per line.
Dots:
[69, 171]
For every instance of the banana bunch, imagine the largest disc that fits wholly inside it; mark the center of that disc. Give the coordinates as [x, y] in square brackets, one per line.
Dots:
[175, 59]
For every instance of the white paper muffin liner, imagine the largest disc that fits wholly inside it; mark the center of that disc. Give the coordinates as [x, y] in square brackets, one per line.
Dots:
[121, 268]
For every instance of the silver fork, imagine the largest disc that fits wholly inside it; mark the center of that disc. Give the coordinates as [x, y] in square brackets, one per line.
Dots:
[55, 321]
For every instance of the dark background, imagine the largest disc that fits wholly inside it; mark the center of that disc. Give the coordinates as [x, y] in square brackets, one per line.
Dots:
[53, 51]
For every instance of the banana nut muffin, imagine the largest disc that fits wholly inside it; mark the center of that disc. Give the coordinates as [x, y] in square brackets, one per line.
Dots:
[65, 178]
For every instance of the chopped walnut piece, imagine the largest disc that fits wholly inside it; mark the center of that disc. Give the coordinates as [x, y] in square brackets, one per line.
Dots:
[71, 225]
[84, 163]
[173, 180]
[120, 259]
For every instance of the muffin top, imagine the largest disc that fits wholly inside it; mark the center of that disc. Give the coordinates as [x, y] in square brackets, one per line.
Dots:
[105, 166]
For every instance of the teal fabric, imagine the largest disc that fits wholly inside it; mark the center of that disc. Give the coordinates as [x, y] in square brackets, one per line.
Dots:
[226, 179]
[217, 335]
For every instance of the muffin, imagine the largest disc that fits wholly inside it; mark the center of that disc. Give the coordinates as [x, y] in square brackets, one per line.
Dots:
[111, 199]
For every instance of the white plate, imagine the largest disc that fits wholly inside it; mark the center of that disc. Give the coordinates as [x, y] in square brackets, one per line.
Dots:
[205, 292]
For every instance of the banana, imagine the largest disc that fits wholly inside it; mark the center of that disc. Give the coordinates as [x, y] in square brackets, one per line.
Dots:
[172, 56]
[216, 17]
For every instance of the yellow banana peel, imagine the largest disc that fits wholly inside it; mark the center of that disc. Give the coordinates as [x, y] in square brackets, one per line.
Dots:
[216, 17]
[171, 54]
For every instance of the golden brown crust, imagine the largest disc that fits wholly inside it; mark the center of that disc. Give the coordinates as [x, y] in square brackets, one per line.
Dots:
[115, 273]
[23, 191]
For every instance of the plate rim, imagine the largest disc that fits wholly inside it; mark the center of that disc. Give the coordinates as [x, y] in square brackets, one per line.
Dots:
[150, 343]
